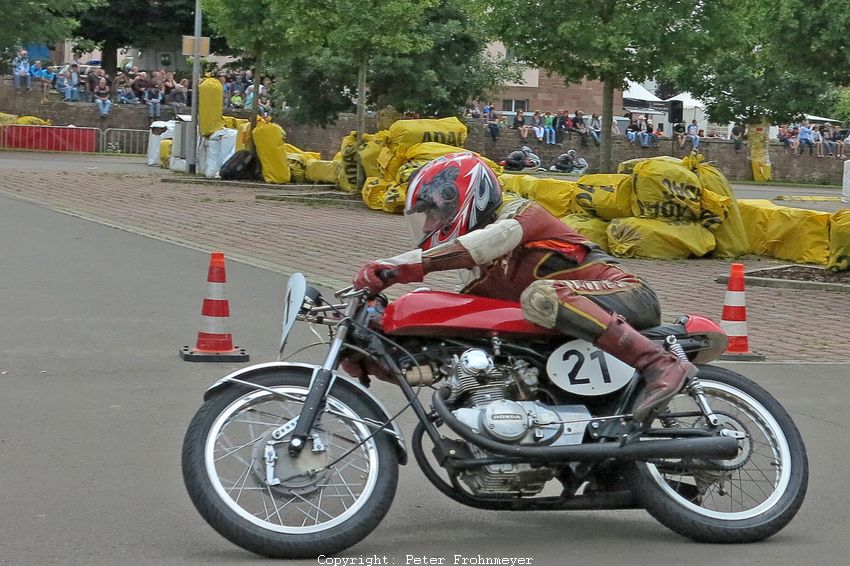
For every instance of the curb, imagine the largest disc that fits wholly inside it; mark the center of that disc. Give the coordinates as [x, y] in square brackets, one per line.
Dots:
[751, 279]
[249, 184]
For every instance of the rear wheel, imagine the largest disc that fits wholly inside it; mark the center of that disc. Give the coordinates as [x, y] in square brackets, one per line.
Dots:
[746, 499]
[237, 469]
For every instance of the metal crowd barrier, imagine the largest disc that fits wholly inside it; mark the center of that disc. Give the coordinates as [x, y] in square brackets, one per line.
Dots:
[74, 139]
[122, 140]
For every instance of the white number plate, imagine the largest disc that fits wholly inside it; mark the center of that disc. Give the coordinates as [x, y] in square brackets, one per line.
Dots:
[581, 368]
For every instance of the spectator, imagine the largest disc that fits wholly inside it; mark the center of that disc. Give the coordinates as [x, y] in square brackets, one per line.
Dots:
[562, 123]
[21, 71]
[595, 129]
[176, 99]
[786, 138]
[493, 125]
[838, 139]
[537, 126]
[488, 109]
[101, 94]
[61, 84]
[549, 128]
[817, 140]
[805, 137]
[633, 131]
[680, 133]
[153, 98]
[475, 112]
[140, 84]
[615, 128]
[650, 139]
[828, 142]
[520, 125]
[736, 136]
[580, 127]
[168, 84]
[236, 100]
[693, 134]
[659, 132]
[74, 83]
[265, 107]
[127, 96]
[46, 78]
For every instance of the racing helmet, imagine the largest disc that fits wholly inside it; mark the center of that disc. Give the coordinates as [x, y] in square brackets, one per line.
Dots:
[450, 196]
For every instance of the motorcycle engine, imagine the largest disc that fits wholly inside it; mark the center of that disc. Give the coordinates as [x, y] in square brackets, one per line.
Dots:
[482, 389]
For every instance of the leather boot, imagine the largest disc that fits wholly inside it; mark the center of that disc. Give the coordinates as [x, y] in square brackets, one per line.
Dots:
[663, 372]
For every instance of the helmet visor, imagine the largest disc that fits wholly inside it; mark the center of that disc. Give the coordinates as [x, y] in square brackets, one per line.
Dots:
[434, 210]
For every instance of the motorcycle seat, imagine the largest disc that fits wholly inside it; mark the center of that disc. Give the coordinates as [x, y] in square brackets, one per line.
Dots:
[663, 331]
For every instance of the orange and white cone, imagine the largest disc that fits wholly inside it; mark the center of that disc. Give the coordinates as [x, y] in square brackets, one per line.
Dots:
[734, 318]
[215, 344]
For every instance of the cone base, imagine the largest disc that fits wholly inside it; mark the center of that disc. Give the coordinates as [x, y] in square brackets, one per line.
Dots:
[236, 355]
[742, 357]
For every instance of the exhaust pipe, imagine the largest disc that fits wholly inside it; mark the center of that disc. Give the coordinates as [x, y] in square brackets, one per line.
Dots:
[720, 447]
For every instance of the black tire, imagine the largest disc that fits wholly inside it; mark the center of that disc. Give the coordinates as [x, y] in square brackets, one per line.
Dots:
[690, 519]
[252, 534]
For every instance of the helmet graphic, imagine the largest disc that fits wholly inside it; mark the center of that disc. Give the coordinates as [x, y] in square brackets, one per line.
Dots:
[449, 197]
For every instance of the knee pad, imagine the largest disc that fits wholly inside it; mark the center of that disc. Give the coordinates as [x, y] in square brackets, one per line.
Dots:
[540, 303]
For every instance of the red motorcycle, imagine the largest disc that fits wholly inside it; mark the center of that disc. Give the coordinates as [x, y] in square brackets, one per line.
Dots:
[294, 460]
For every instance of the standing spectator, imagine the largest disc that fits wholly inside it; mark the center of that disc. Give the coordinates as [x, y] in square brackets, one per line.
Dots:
[92, 80]
[74, 83]
[549, 128]
[21, 71]
[736, 136]
[595, 128]
[101, 97]
[153, 98]
[520, 125]
[493, 125]
[693, 134]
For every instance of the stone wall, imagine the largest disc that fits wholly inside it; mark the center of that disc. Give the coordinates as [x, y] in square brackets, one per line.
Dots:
[735, 164]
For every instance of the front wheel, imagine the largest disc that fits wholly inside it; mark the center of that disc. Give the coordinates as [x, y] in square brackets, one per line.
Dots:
[746, 499]
[241, 478]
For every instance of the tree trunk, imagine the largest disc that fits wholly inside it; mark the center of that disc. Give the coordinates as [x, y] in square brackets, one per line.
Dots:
[363, 66]
[109, 57]
[605, 163]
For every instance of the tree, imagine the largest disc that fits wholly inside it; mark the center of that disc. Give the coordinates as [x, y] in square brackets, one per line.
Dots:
[606, 40]
[761, 62]
[122, 23]
[39, 21]
[433, 81]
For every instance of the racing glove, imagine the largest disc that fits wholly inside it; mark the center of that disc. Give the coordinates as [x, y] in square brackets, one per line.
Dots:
[379, 274]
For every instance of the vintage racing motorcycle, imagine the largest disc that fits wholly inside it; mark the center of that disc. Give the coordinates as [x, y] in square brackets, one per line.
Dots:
[295, 460]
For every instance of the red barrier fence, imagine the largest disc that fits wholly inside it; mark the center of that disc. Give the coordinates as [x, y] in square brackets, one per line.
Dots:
[51, 138]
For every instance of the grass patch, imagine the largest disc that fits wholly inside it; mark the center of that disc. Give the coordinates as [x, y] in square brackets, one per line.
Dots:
[769, 184]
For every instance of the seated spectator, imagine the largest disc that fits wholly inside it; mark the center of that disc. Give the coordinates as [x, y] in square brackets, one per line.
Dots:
[806, 138]
[580, 127]
[46, 78]
[786, 138]
[829, 144]
[127, 96]
[537, 126]
[549, 128]
[615, 128]
[140, 84]
[102, 93]
[680, 133]
[475, 112]
[693, 134]
[176, 98]
[153, 98]
[736, 136]
[838, 139]
[21, 72]
[168, 84]
[633, 131]
[264, 107]
[570, 162]
[650, 140]
[520, 125]
[236, 100]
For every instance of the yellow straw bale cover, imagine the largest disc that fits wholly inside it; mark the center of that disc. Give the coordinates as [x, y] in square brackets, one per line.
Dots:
[658, 239]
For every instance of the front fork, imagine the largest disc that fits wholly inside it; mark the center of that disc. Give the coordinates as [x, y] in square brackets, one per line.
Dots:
[321, 382]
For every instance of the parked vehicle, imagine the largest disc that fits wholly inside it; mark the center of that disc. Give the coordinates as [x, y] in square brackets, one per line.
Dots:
[294, 460]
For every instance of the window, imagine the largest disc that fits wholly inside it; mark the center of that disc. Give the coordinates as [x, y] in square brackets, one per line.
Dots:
[511, 105]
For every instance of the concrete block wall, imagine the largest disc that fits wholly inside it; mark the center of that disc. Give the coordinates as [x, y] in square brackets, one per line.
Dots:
[734, 164]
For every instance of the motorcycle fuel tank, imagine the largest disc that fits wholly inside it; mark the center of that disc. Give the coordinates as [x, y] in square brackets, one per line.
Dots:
[437, 313]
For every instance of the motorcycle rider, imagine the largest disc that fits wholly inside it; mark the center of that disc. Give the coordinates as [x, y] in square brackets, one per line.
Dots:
[518, 251]
[570, 162]
[520, 159]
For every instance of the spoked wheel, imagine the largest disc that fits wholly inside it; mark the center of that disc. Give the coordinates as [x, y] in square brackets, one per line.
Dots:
[745, 499]
[241, 478]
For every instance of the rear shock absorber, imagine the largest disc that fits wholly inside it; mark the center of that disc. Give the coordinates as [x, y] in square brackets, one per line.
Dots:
[693, 387]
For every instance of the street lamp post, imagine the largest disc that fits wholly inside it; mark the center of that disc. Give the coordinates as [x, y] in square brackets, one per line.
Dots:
[196, 82]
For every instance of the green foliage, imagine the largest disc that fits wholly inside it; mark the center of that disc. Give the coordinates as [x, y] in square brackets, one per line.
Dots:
[840, 107]
[759, 58]
[39, 21]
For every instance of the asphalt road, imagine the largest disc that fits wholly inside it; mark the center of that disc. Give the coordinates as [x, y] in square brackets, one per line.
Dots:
[94, 401]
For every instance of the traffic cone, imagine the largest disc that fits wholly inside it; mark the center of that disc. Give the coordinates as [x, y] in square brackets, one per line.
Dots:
[734, 319]
[215, 344]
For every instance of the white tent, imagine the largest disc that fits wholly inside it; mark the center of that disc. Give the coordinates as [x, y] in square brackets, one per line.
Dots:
[687, 100]
[635, 91]
[821, 119]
